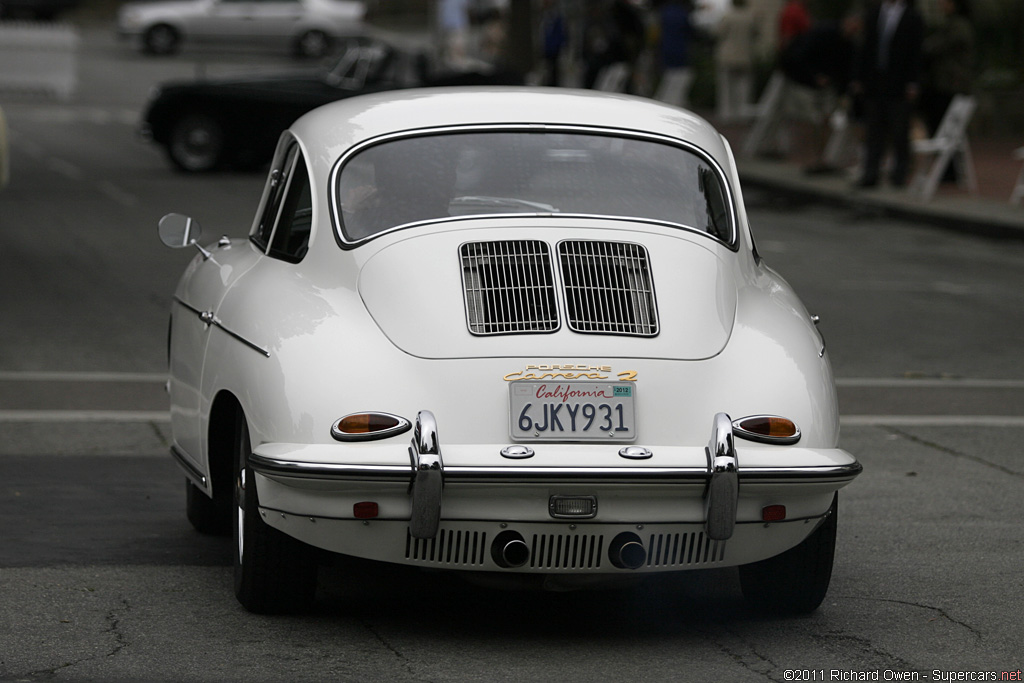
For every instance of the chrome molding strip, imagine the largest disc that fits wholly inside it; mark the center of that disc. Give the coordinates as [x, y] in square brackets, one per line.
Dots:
[208, 318]
[191, 471]
[309, 470]
[320, 470]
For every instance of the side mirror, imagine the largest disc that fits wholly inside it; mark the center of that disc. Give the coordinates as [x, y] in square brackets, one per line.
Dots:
[178, 231]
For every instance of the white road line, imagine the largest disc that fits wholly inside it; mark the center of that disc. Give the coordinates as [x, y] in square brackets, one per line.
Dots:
[931, 421]
[122, 197]
[49, 376]
[65, 168]
[929, 382]
[84, 416]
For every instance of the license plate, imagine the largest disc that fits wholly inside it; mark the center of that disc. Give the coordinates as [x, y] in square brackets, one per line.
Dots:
[572, 411]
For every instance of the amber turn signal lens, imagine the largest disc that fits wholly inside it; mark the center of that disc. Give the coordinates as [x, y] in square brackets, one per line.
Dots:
[366, 423]
[767, 429]
[368, 426]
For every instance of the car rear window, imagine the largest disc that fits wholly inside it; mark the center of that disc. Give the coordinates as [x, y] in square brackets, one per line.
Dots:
[408, 180]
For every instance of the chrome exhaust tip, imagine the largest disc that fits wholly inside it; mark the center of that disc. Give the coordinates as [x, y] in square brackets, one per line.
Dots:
[626, 551]
[509, 550]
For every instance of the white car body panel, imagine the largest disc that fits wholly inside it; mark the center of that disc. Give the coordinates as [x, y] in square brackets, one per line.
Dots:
[382, 326]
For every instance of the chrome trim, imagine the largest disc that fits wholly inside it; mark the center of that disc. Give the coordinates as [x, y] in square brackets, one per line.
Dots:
[635, 453]
[722, 496]
[596, 302]
[191, 471]
[517, 452]
[318, 470]
[761, 438]
[401, 428]
[723, 177]
[428, 477]
[519, 297]
[208, 318]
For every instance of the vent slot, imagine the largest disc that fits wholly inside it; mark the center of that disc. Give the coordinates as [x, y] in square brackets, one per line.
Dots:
[449, 547]
[558, 551]
[608, 288]
[509, 287]
[671, 550]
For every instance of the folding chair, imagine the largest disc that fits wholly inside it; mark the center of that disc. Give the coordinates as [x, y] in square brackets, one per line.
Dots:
[612, 78]
[1018, 189]
[948, 146]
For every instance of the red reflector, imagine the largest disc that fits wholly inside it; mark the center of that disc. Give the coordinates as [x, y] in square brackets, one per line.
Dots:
[364, 510]
[773, 513]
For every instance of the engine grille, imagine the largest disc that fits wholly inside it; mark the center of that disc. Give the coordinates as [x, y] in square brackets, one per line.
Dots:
[608, 288]
[669, 550]
[509, 287]
[558, 551]
[451, 547]
[549, 552]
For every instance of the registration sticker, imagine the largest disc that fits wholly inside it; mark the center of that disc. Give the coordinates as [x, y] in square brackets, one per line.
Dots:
[572, 411]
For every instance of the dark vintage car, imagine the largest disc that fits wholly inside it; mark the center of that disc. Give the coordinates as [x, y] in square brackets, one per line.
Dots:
[43, 10]
[214, 124]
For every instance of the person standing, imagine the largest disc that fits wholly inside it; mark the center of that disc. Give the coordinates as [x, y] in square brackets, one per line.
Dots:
[948, 54]
[734, 61]
[675, 35]
[554, 35]
[888, 79]
[794, 21]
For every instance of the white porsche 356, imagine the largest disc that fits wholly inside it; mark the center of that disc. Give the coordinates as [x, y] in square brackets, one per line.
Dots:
[503, 330]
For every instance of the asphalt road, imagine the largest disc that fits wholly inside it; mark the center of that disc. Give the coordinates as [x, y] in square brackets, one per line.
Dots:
[102, 578]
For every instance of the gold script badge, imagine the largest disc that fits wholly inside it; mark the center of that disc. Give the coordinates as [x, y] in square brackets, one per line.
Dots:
[569, 371]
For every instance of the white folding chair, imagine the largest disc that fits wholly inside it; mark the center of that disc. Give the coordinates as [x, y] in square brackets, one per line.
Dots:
[1018, 189]
[613, 78]
[948, 146]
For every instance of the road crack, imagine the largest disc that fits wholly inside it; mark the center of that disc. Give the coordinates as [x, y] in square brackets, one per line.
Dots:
[953, 452]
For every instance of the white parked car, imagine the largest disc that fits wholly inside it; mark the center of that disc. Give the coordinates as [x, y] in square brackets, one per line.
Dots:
[504, 330]
[307, 27]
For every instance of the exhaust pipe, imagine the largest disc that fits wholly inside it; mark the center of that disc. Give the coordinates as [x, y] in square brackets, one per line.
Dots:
[509, 550]
[626, 551]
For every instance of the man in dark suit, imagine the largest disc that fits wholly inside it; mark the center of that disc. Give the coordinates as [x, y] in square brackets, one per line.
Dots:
[886, 77]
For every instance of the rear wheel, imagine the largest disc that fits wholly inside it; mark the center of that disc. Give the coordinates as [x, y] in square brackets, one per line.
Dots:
[196, 143]
[274, 573]
[796, 581]
[161, 39]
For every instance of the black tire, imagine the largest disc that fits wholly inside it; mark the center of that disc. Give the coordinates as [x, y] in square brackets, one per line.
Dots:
[196, 143]
[796, 581]
[208, 515]
[161, 39]
[312, 45]
[274, 573]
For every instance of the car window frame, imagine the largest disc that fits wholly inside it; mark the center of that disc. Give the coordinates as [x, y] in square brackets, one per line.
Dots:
[729, 196]
[276, 197]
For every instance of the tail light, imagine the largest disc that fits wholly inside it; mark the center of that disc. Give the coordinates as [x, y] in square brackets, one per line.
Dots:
[767, 429]
[369, 426]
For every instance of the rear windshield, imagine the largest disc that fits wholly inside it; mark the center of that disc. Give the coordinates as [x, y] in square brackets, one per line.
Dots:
[409, 180]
